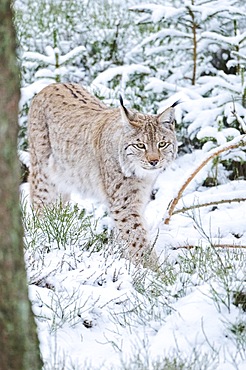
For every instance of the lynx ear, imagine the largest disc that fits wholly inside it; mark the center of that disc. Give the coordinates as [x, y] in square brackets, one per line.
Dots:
[167, 118]
[127, 116]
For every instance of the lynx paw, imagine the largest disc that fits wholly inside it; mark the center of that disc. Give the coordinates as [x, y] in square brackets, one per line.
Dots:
[147, 257]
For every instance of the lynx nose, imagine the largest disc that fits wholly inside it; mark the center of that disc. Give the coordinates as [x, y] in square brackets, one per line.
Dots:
[153, 162]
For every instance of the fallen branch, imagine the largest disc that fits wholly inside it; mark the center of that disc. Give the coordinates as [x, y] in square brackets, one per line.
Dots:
[207, 204]
[233, 144]
[214, 245]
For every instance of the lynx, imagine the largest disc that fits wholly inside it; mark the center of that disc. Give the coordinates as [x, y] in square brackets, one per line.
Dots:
[78, 144]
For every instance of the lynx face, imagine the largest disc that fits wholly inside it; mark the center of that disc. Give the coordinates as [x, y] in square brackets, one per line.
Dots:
[149, 143]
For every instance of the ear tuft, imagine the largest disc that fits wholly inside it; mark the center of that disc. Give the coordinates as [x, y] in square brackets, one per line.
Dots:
[124, 111]
[127, 116]
[127, 113]
[167, 118]
[121, 101]
[176, 103]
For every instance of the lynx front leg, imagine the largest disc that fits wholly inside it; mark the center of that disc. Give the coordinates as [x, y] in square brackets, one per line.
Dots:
[127, 213]
[132, 230]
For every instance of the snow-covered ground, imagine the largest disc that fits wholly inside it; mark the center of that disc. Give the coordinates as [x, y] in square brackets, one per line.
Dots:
[96, 310]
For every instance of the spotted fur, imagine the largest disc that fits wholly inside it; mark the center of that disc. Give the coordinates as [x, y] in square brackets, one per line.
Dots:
[78, 144]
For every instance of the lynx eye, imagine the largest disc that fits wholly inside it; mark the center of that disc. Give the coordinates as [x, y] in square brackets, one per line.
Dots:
[163, 144]
[140, 146]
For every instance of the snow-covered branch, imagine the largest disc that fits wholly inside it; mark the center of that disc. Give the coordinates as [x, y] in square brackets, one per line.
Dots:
[239, 119]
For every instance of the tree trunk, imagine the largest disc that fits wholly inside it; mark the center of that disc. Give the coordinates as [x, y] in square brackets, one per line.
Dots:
[19, 348]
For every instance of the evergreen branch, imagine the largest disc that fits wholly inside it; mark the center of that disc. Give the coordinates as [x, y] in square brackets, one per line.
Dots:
[207, 204]
[233, 144]
[239, 119]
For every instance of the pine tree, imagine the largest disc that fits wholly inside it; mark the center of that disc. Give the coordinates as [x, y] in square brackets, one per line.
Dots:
[198, 50]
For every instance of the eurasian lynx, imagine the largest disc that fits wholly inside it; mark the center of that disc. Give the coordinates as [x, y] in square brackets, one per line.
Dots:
[113, 154]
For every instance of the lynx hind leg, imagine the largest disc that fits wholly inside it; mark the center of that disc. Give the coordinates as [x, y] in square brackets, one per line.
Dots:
[42, 191]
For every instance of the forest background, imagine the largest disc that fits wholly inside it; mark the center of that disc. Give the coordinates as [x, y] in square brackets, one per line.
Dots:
[153, 54]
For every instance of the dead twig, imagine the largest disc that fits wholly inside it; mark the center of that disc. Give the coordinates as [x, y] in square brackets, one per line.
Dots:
[233, 144]
[207, 204]
[225, 246]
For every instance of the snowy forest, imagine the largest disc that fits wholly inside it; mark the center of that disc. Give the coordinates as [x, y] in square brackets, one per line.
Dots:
[94, 309]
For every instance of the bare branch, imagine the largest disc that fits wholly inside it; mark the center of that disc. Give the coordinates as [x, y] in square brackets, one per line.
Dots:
[225, 246]
[233, 144]
[185, 209]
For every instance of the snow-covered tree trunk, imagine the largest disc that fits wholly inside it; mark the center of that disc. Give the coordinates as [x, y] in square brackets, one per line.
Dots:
[18, 338]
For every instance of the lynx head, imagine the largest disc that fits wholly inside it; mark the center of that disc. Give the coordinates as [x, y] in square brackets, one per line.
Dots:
[149, 142]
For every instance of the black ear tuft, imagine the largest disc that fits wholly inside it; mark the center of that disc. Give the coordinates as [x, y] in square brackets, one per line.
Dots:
[125, 110]
[121, 101]
[128, 116]
[176, 103]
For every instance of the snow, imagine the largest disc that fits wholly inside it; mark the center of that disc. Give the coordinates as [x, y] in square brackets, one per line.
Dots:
[125, 71]
[208, 9]
[236, 40]
[47, 59]
[158, 11]
[89, 312]
[24, 158]
[220, 136]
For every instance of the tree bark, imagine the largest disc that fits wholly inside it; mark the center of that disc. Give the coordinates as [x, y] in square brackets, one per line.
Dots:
[19, 349]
